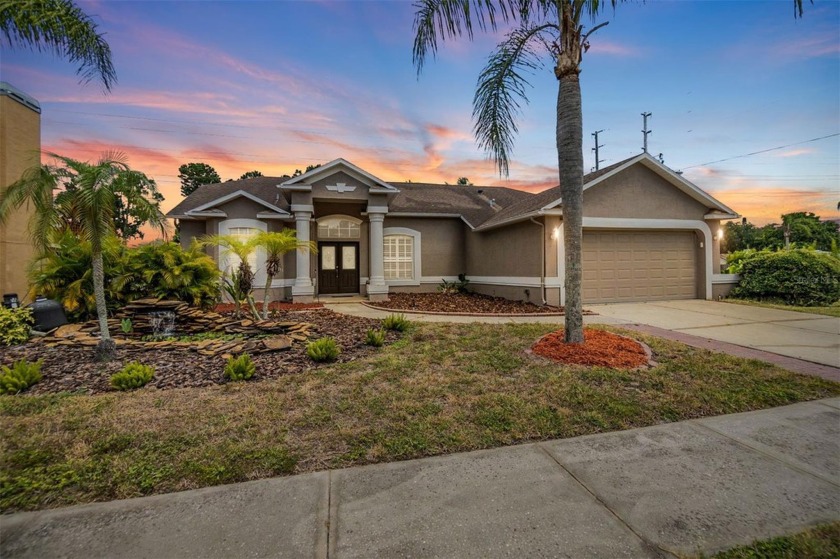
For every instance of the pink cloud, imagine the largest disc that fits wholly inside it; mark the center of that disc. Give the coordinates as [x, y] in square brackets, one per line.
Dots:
[795, 152]
[610, 48]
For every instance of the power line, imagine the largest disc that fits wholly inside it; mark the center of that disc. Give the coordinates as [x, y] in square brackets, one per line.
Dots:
[762, 151]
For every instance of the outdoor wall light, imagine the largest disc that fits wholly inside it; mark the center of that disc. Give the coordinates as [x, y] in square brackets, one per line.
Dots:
[720, 234]
[555, 233]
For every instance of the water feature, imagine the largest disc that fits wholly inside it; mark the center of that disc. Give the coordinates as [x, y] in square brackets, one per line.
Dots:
[162, 323]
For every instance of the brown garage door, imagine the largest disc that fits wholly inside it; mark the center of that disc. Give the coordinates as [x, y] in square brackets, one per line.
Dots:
[638, 266]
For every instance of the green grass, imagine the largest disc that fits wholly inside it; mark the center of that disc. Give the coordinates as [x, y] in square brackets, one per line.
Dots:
[831, 310]
[442, 388]
[821, 542]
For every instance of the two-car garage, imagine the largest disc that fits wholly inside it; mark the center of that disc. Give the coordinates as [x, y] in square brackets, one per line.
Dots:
[623, 265]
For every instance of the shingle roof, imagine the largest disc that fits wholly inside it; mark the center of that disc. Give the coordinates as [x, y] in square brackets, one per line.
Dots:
[470, 202]
[264, 188]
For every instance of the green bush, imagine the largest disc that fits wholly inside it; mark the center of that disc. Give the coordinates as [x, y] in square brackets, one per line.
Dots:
[240, 368]
[133, 375]
[20, 376]
[14, 325]
[396, 322]
[375, 337]
[795, 277]
[163, 270]
[735, 260]
[324, 349]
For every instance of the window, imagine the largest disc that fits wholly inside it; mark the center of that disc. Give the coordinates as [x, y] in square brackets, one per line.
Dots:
[338, 228]
[399, 257]
[243, 229]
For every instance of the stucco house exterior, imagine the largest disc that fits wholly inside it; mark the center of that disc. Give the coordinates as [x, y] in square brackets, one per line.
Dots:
[649, 234]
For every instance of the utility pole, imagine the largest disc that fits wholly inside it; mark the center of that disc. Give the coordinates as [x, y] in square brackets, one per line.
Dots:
[598, 161]
[645, 132]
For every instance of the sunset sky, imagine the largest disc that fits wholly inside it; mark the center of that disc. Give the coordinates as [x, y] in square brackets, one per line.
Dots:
[275, 86]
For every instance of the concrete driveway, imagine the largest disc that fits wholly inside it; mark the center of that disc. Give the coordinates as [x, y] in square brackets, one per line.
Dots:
[811, 337]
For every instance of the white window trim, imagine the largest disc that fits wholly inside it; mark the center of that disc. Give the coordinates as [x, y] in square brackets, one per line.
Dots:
[331, 217]
[417, 251]
[224, 229]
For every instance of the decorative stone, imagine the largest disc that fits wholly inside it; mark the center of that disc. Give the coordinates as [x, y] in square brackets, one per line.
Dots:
[276, 343]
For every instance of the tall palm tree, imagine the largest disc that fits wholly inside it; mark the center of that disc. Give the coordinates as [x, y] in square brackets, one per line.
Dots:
[275, 245]
[552, 29]
[96, 187]
[61, 27]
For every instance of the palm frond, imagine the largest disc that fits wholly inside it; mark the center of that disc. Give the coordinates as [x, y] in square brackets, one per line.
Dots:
[436, 20]
[59, 26]
[500, 89]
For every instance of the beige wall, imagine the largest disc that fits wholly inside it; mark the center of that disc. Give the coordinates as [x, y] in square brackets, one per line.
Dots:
[638, 193]
[441, 241]
[507, 251]
[20, 145]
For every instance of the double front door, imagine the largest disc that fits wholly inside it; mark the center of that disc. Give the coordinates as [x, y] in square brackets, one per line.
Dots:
[338, 270]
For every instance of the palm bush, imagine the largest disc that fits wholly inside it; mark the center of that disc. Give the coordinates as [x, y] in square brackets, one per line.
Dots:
[20, 376]
[133, 375]
[167, 271]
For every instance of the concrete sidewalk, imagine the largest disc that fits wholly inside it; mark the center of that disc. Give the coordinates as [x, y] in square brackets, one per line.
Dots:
[688, 487]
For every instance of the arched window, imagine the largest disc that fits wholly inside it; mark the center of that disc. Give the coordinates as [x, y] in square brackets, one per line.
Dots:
[401, 256]
[339, 227]
[243, 229]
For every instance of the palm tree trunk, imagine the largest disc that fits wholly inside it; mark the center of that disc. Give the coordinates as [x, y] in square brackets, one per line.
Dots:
[570, 158]
[106, 348]
[268, 280]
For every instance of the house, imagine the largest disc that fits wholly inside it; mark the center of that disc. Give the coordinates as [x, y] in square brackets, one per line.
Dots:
[649, 234]
[20, 149]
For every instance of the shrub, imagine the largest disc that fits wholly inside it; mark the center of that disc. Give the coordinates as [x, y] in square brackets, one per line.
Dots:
[133, 375]
[396, 322]
[163, 270]
[735, 260]
[324, 349]
[14, 325]
[240, 368]
[795, 277]
[375, 337]
[20, 376]
[452, 287]
[126, 326]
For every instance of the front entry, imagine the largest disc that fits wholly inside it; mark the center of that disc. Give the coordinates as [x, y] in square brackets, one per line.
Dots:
[338, 270]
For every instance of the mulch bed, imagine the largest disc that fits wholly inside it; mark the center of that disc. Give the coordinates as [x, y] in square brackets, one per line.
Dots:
[462, 303]
[277, 306]
[72, 369]
[600, 348]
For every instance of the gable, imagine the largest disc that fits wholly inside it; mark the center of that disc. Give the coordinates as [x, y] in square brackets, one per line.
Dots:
[341, 186]
[639, 193]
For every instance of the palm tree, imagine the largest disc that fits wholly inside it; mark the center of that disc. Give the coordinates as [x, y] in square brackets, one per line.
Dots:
[97, 185]
[542, 28]
[61, 27]
[275, 245]
[241, 281]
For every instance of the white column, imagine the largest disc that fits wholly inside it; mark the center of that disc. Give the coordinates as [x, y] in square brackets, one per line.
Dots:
[303, 290]
[377, 289]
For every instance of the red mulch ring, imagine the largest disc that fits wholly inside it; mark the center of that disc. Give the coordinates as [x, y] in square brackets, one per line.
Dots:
[224, 308]
[599, 348]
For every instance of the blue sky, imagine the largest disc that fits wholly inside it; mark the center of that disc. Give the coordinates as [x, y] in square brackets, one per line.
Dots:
[276, 86]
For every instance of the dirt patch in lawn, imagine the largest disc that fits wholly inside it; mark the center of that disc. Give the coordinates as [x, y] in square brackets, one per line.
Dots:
[461, 303]
[600, 348]
[73, 369]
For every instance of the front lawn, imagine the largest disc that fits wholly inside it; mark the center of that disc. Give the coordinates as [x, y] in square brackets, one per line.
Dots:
[820, 542]
[831, 310]
[442, 388]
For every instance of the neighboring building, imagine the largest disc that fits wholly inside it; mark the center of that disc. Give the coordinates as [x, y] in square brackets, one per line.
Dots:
[649, 234]
[20, 149]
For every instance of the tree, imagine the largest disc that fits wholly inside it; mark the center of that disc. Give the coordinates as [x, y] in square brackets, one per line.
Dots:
[61, 27]
[542, 28]
[93, 201]
[463, 181]
[193, 175]
[250, 175]
[127, 221]
[240, 282]
[275, 245]
[298, 172]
